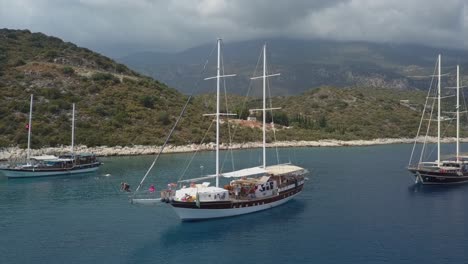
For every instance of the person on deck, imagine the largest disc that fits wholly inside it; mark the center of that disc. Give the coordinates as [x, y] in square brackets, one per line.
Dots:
[152, 189]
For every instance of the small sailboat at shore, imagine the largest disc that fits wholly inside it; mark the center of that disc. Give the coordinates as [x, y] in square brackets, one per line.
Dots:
[50, 165]
[249, 190]
[451, 170]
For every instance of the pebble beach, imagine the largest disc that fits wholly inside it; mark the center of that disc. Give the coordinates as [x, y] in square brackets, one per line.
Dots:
[104, 151]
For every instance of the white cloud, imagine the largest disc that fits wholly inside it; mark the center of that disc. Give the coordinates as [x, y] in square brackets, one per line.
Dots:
[419, 21]
[109, 25]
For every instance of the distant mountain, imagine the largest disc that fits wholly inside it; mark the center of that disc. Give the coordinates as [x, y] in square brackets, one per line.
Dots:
[303, 64]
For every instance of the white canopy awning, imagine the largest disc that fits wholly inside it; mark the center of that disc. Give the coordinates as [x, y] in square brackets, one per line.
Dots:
[232, 174]
[199, 179]
[244, 172]
[282, 169]
[44, 157]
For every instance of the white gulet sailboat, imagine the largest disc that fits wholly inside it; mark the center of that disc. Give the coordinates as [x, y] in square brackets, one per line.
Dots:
[50, 165]
[250, 190]
[441, 171]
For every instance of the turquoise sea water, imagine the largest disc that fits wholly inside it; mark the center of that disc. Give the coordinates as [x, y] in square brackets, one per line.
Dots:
[359, 206]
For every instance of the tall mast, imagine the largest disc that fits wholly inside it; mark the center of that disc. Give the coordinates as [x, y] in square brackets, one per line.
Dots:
[29, 127]
[458, 111]
[438, 114]
[264, 106]
[218, 77]
[73, 129]
[217, 112]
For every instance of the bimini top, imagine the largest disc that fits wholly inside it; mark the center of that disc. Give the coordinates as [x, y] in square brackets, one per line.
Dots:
[459, 159]
[232, 174]
[282, 169]
[244, 172]
[44, 157]
[86, 154]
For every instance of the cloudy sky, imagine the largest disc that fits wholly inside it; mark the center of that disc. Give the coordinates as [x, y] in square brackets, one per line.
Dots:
[119, 27]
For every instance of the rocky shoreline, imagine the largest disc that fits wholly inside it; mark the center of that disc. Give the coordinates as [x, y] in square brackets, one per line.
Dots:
[104, 151]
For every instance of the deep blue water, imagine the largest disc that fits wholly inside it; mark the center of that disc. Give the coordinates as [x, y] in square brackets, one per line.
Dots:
[359, 206]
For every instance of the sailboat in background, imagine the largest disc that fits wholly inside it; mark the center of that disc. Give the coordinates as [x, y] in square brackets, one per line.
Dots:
[50, 165]
[447, 171]
[250, 190]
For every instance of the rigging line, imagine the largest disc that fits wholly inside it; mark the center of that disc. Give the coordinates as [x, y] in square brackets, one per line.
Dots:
[421, 121]
[427, 133]
[196, 151]
[228, 125]
[175, 125]
[430, 116]
[464, 100]
[272, 120]
[249, 88]
[164, 145]
[443, 133]
[227, 117]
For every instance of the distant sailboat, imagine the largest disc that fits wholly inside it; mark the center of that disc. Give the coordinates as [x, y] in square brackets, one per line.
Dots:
[441, 171]
[50, 165]
[250, 190]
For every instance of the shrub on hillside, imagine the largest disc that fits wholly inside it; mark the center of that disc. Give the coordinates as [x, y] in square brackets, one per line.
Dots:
[104, 77]
[163, 118]
[68, 71]
[147, 101]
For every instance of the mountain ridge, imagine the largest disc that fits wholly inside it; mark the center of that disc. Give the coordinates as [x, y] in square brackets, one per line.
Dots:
[304, 64]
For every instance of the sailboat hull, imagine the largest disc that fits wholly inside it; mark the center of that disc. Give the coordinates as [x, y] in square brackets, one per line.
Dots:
[437, 177]
[29, 173]
[209, 210]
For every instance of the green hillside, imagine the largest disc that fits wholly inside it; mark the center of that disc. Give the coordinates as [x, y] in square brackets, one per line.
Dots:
[343, 113]
[354, 113]
[117, 106]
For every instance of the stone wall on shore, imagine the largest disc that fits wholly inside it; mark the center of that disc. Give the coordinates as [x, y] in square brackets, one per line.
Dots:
[103, 151]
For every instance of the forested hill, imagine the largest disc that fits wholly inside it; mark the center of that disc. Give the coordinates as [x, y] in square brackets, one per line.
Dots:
[117, 106]
[335, 113]
[114, 105]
